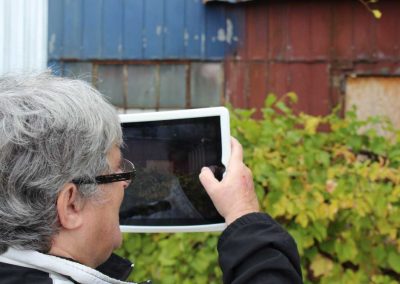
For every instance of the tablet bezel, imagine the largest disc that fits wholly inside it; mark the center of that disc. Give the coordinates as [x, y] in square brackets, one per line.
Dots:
[223, 113]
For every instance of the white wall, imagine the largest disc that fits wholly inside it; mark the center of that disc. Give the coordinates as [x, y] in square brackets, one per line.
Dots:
[23, 35]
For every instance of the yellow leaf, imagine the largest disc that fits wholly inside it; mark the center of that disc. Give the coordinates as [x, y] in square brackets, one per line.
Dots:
[333, 209]
[310, 123]
[302, 219]
[292, 96]
[347, 204]
[321, 265]
[322, 211]
[377, 13]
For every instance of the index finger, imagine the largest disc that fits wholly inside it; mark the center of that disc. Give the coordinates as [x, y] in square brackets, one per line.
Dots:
[236, 151]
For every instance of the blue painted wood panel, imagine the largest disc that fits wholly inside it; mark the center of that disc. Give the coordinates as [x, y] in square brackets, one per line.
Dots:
[174, 28]
[141, 29]
[55, 29]
[112, 29]
[72, 29]
[154, 29]
[92, 35]
[195, 30]
[133, 29]
[216, 32]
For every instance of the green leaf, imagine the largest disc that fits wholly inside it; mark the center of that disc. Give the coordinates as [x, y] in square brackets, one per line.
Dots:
[394, 261]
[282, 106]
[321, 266]
[270, 100]
[346, 250]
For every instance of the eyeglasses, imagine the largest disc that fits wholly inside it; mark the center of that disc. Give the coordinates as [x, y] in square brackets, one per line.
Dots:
[126, 172]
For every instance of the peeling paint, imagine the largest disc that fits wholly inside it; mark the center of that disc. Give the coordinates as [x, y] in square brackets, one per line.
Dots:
[203, 43]
[229, 30]
[52, 42]
[186, 38]
[220, 35]
[159, 30]
[226, 35]
[196, 37]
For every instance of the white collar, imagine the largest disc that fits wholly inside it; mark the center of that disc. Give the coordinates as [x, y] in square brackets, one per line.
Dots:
[53, 264]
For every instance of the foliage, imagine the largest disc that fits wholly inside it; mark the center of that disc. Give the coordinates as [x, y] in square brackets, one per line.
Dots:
[173, 258]
[336, 191]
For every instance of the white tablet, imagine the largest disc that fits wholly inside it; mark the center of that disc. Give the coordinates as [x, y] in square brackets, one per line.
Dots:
[168, 150]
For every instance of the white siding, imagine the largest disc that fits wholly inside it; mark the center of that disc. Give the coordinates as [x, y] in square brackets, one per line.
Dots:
[23, 35]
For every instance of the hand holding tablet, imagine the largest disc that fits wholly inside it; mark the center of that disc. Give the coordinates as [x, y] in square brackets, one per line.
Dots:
[234, 196]
[169, 149]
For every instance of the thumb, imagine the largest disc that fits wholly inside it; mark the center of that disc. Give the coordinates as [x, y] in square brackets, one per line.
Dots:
[207, 179]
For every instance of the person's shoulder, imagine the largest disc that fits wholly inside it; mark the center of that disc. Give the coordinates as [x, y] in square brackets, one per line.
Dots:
[14, 274]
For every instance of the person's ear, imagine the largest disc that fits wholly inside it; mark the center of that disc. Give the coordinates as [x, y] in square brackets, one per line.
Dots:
[70, 207]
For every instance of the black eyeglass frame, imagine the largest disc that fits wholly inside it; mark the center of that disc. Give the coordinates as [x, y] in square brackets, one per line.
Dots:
[110, 178]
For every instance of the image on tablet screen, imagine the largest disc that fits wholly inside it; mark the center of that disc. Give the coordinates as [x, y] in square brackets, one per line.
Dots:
[168, 156]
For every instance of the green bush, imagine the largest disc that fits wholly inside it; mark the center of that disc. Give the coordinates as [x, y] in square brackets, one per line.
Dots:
[336, 191]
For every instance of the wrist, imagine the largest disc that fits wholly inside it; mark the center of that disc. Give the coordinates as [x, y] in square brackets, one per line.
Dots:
[236, 215]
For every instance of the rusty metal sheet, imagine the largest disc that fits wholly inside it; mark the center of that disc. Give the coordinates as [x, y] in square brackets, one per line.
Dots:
[320, 27]
[363, 33]
[277, 30]
[143, 84]
[382, 68]
[109, 82]
[257, 83]
[256, 31]
[388, 31]
[235, 75]
[301, 85]
[299, 30]
[342, 31]
[172, 86]
[317, 96]
[279, 78]
[206, 84]
[310, 83]
[374, 96]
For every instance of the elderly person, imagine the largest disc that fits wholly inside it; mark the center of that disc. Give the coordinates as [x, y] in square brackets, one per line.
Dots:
[62, 180]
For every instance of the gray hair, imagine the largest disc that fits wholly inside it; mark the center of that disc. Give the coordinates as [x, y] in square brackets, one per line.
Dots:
[52, 130]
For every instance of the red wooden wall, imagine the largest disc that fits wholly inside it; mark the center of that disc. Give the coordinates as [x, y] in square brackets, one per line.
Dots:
[310, 47]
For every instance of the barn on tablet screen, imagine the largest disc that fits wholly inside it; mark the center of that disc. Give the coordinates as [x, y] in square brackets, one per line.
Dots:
[170, 54]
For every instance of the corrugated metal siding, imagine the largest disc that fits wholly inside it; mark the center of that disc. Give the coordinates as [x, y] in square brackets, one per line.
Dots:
[310, 47]
[23, 35]
[140, 29]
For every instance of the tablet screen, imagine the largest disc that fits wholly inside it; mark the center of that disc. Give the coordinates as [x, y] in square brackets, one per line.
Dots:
[168, 156]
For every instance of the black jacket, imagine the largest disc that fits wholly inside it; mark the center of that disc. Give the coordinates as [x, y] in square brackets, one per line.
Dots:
[252, 250]
[255, 249]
